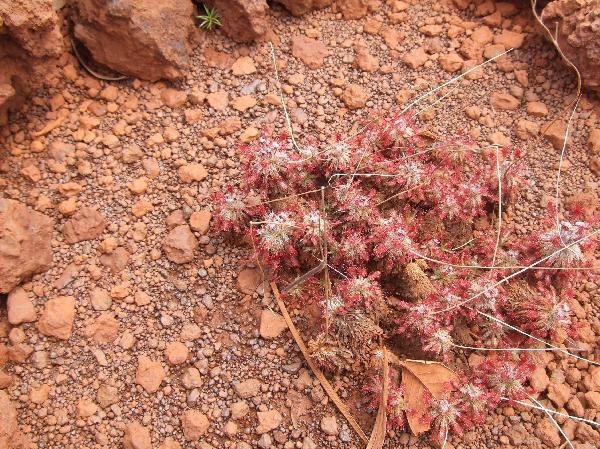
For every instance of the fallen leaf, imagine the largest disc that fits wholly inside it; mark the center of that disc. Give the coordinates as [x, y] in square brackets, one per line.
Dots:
[379, 431]
[419, 377]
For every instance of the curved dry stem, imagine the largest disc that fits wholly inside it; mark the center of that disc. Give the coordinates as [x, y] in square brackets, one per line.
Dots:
[285, 111]
[556, 44]
[499, 204]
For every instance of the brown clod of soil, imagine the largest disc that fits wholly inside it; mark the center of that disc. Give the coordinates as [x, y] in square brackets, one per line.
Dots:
[30, 41]
[577, 25]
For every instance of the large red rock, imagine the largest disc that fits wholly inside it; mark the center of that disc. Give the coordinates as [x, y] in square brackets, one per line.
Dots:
[25, 247]
[242, 20]
[577, 24]
[142, 38]
[299, 7]
[8, 420]
[30, 43]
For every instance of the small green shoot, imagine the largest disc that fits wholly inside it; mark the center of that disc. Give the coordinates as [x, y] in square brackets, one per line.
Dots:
[210, 20]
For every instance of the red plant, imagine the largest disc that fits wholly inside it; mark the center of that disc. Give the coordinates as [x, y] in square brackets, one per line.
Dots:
[374, 203]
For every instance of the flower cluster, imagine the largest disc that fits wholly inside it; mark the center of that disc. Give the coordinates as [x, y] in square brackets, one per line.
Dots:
[408, 228]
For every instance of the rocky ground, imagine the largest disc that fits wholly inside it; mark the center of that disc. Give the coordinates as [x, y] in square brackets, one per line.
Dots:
[150, 330]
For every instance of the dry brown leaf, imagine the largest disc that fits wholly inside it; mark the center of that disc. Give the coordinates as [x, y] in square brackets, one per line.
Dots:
[417, 378]
[377, 437]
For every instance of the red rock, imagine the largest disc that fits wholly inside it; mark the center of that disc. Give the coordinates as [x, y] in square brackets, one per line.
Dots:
[3, 354]
[191, 378]
[5, 380]
[248, 388]
[25, 247]
[173, 98]
[180, 245]
[174, 219]
[20, 308]
[243, 20]
[107, 395]
[352, 9]
[309, 51]
[19, 352]
[392, 37]
[592, 398]
[192, 172]
[229, 126]
[149, 374]
[86, 408]
[244, 103]
[539, 380]
[329, 425]
[100, 299]
[86, 224]
[218, 100]
[117, 260]
[57, 317]
[8, 420]
[355, 96]
[200, 221]
[170, 443]
[239, 409]
[537, 109]
[142, 38]
[451, 62]
[504, 101]
[299, 7]
[547, 432]
[267, 421]
[431, 30]
[243, 66]
[555, 132]
[248, 280]
[415, 58]
[271, 324]
[559, 394]
[194, 424]
[136, 437]
[215, 58]
[482, 35]
[176, 353]
[594, 141]
[471, 49]
[509, 39]
[104, 329]
[192, 116]
[527, 129]
[365, 61]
